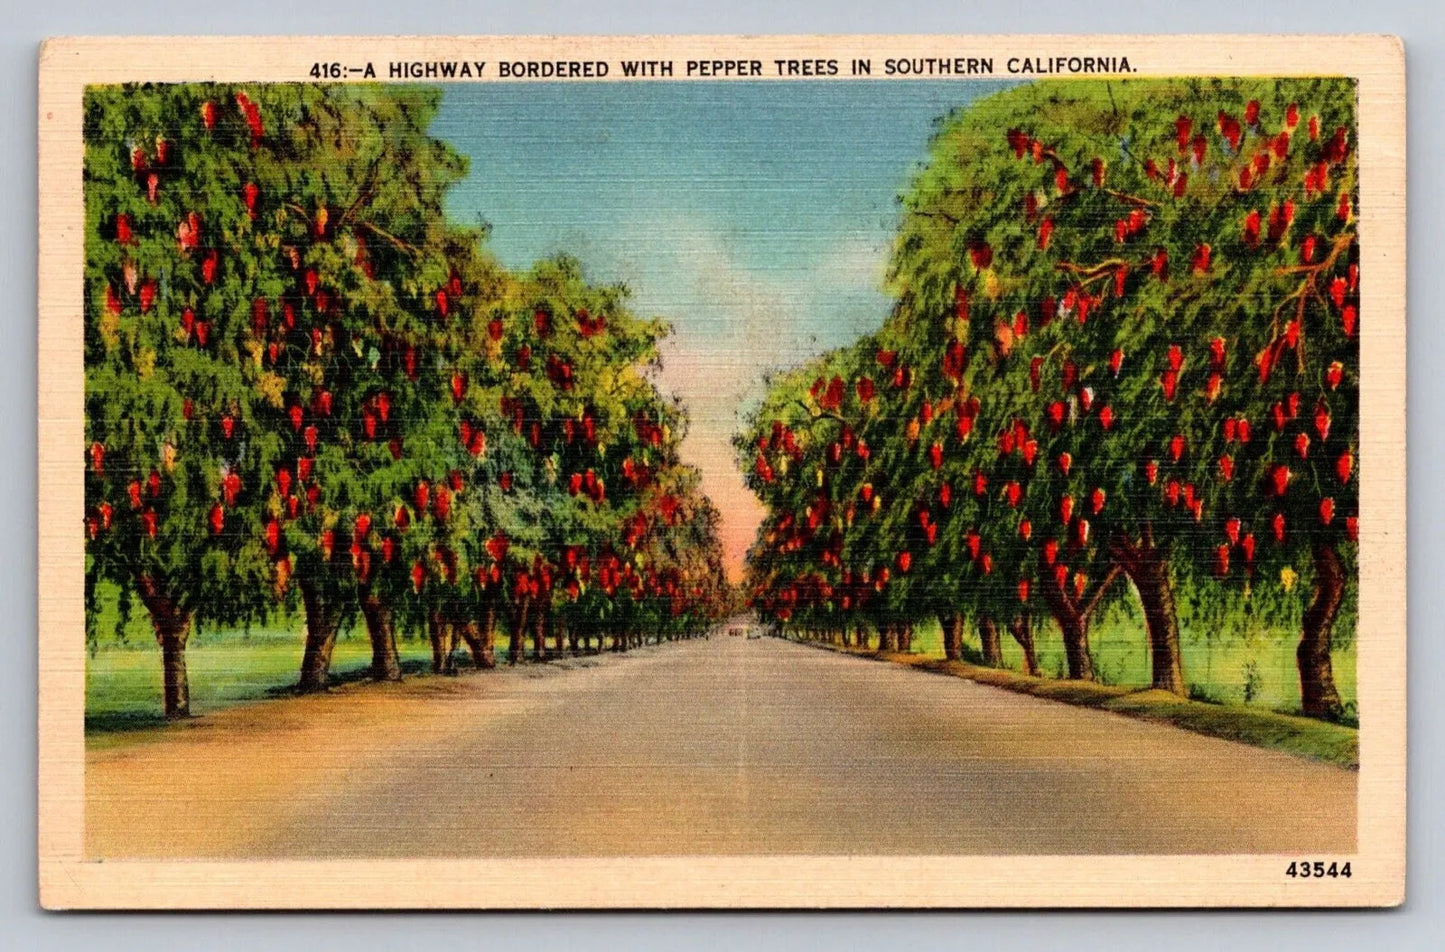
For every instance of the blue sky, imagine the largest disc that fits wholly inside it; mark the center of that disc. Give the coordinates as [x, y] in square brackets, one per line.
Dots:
[755, 217]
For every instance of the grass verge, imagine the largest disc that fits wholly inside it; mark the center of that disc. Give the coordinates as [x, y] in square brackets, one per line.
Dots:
[123, 685]
[1300, 736]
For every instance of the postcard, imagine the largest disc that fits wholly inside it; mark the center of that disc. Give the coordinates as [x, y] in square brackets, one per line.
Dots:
[718, 472]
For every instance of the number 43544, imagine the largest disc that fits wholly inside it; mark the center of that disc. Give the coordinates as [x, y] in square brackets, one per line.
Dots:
[1318, 869]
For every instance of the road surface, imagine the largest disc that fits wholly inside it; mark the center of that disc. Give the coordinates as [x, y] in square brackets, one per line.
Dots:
[722, 746]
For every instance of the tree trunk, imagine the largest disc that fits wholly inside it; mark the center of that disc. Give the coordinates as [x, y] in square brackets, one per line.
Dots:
[905, 639]
[989, 644]
[443, 643]
[573, 643]
[952, 636]
[177, 697]
[471, 633]
[540, 623]
[488, 657]
[1075, 630]
[1149, 571]
[480, 637]
[517, 637]
[434, 638]
[385, 662]
[173, 628]
[1318, 695]
[1023, 633]
[1072, 617]
[322, 620]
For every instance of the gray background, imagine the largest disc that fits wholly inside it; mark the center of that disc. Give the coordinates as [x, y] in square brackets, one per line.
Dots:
[24, 23]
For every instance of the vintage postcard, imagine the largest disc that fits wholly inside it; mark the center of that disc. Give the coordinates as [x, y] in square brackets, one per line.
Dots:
[813, 471]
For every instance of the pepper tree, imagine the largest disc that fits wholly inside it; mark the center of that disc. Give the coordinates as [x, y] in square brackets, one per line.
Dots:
[294, 365]
[1126, 322]
[174, 464]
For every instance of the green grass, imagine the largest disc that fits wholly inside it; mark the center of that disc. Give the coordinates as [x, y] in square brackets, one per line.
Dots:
[1241, 689]
[1243, 677]
[123, 684]
[1301, 736]
[1255, 673]
[226, 667]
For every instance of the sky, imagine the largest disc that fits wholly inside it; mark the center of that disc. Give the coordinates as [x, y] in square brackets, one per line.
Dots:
[756, 218]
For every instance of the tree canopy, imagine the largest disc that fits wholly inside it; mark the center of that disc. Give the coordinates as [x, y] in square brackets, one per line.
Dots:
[1124, 346]
[302, 379]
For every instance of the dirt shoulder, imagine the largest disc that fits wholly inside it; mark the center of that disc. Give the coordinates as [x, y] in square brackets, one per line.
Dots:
[1305, 737]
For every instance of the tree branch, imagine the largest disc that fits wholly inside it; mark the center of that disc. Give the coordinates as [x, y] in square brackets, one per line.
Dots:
[1102, 269]
[1135, 199]
[1337, 247]
[822, 414]
[935, 214]
[365, 193]
[1099, 590]
[398, 242]
[1123, 552]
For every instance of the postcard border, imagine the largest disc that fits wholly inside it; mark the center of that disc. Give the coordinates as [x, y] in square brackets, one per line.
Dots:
[68, 882]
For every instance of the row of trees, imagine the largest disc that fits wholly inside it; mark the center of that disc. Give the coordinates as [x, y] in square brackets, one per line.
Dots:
[1123, 363]
[304, 384]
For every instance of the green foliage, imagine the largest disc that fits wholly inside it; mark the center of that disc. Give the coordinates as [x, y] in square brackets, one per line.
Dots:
[1106, 238]
[300, 375]
[1126, 327]
[226, 667]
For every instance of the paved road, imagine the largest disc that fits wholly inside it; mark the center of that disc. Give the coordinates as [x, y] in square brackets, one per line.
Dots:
[729, 746]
